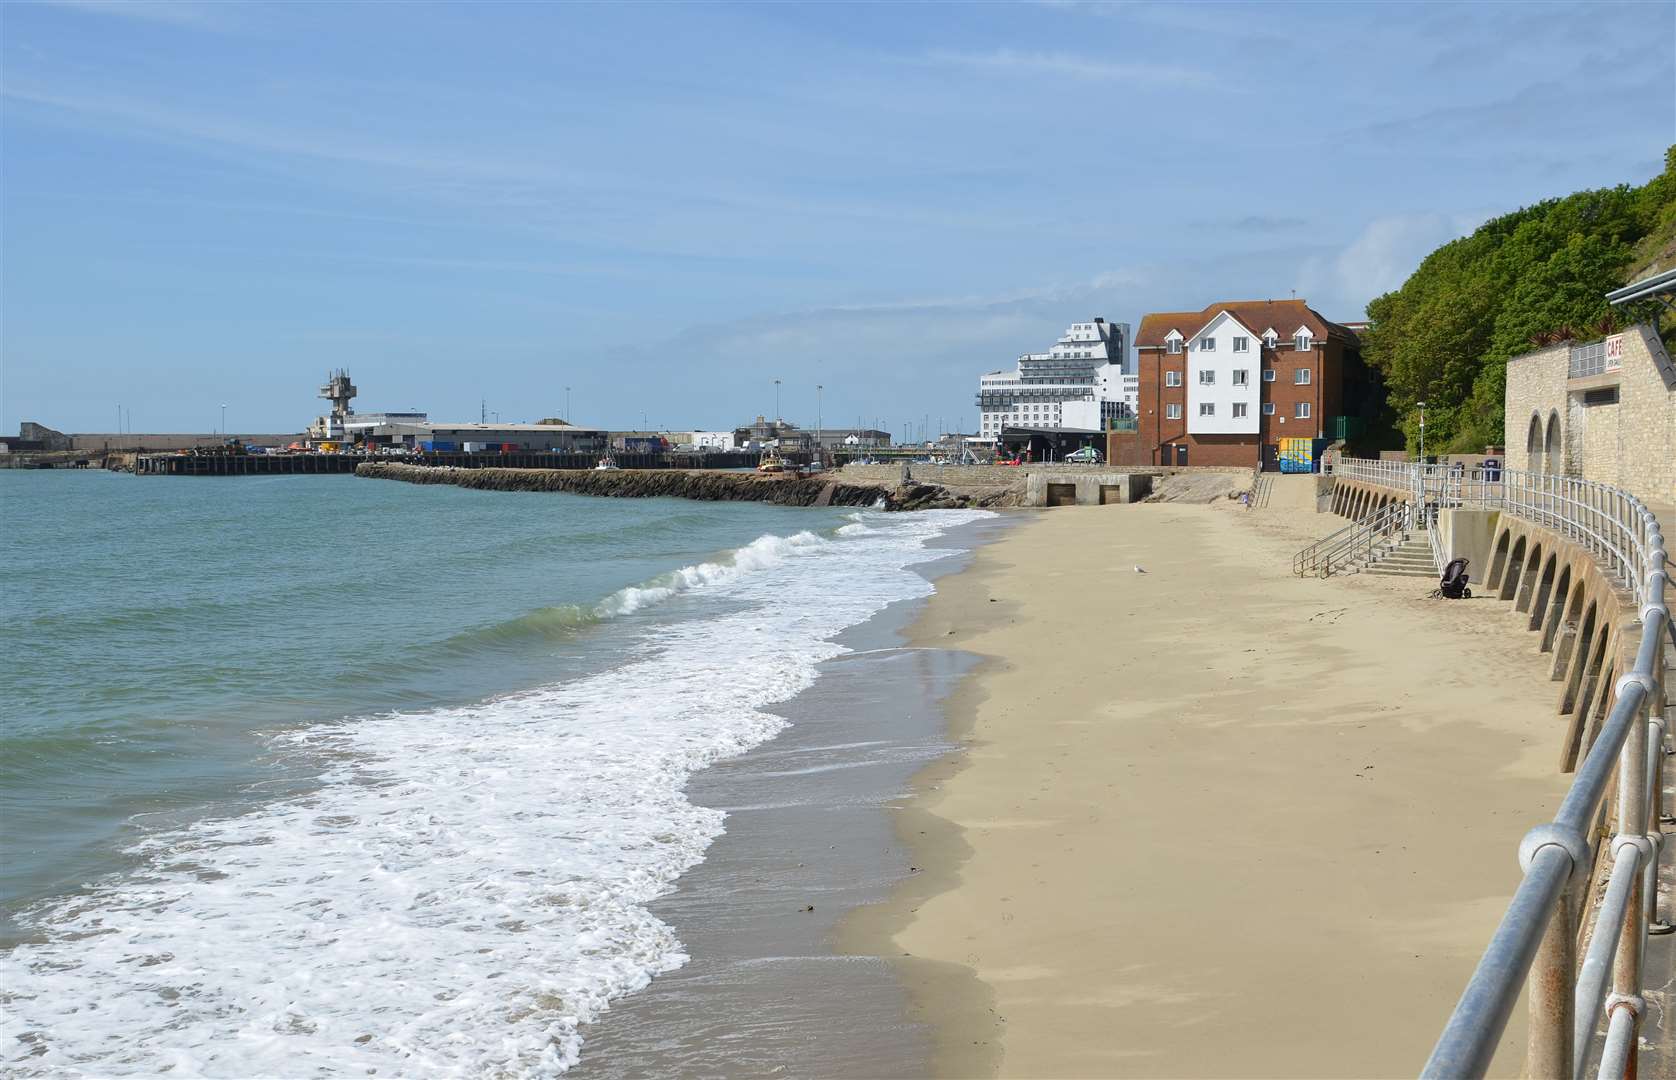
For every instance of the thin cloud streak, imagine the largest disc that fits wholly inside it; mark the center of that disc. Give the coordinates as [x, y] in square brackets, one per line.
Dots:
[180, 13]
[1071, 66]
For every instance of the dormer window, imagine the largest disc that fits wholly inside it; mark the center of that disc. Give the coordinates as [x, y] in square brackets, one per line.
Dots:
[1174, 344]
[1302, 340]
[1270, 339]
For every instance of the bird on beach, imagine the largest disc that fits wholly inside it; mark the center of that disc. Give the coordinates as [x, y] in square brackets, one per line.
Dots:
[1138, 570]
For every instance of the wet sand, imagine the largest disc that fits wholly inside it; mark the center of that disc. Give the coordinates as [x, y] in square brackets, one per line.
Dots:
[1210, 819]
[808, 838]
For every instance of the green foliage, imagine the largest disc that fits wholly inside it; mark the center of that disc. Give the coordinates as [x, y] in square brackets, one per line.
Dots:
[1445, 336]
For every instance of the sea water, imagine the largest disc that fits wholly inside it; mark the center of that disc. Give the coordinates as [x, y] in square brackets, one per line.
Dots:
[326, 776]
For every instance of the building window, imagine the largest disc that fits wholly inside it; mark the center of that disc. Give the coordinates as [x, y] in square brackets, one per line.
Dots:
[1268, 374]
[1302, 341]
[1301, 376]
[1271, 339]
[1268, 408]
[1175, 345]
[1207, 377]
[1241, 344]
[1301, 411]
[1172, 378]
[1239, 410]
[1242, 377]
[1207, 408]
[1207, 344]
[1172, 411]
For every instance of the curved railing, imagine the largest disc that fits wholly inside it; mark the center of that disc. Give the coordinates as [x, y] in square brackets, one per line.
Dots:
[1536, 941]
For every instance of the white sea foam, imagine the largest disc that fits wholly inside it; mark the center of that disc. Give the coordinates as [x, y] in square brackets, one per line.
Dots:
[759, 554]
[467, 887]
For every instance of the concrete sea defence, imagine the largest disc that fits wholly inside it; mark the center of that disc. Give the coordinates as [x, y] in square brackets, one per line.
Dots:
[695, 484]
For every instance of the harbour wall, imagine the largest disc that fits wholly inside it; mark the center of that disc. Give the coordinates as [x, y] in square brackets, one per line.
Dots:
[688, 484]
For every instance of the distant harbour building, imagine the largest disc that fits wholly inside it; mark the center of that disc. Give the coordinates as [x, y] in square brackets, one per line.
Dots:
[480, 438]
[359, 423]
[713, 441]
[1083, 382]
[785, 435]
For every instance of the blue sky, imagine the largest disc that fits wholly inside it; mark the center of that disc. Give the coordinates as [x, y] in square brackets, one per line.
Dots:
[668, 206]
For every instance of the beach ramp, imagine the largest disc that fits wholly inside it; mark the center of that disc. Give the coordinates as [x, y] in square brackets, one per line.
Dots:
[1292, 492]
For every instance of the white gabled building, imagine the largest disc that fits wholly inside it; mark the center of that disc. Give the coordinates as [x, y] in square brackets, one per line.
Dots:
[1082, 382]
[1224, 368]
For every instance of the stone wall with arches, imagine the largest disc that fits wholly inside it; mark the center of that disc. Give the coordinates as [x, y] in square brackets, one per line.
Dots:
[1355, 498]
[1614, 422]
[1583, 620]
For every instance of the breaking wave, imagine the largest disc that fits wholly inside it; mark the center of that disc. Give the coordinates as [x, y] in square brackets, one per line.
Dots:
[464, 888]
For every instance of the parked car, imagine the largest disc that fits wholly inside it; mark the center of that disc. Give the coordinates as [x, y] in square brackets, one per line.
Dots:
[1088, 455]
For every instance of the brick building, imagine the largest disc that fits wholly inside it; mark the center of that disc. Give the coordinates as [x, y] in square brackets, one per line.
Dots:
[1224, 385]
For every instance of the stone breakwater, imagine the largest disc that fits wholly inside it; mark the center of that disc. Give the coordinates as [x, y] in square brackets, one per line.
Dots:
[691, 484]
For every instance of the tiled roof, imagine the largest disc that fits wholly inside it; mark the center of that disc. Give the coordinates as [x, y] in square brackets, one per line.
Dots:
[1257, 315]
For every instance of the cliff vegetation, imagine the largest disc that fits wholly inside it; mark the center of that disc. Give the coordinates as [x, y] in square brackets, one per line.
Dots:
[1523, 280]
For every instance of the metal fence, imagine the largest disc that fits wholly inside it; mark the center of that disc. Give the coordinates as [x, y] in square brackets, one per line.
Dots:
[1536, 941]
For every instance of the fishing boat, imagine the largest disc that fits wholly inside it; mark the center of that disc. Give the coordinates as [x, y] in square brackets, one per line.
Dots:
[607, 464]
[772, 464]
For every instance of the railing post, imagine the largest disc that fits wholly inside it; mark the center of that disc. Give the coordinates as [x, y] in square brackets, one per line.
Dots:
[1632, 828]
[1548, 1042]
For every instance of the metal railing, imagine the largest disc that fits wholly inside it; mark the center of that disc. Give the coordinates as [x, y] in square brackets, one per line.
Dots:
[1537, 937]
[1608, 523]
[1356, 542]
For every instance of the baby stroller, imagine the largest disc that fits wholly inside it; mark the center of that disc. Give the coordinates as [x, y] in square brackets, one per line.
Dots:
[1454, 583]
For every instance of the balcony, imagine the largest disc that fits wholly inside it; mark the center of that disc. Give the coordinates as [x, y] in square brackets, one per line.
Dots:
[1124, 424]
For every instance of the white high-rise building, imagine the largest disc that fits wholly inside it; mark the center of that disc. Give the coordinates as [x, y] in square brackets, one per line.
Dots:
[1084, 381]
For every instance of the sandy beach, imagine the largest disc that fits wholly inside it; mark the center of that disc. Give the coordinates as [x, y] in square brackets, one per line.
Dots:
[1210, 819]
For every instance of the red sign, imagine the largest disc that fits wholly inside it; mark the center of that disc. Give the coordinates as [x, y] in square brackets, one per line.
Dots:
[1614, 352]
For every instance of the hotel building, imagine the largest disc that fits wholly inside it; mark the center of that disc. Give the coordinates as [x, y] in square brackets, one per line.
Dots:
[1080, 384]
[1224, 385]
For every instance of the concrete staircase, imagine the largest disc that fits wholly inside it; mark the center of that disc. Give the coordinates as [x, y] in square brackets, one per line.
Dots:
[1410, 558]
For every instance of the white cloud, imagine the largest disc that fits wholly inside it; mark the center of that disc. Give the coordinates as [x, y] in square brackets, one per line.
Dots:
[1379, 259]
[1072, 66]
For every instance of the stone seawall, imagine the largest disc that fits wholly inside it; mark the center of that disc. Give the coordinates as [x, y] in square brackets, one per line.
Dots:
[686, 484]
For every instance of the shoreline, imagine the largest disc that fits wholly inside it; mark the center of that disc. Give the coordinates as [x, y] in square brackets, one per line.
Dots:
[766, 991]
[1160, 875]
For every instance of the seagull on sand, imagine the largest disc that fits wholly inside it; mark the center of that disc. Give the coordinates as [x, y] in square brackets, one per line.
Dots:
[1138, 570]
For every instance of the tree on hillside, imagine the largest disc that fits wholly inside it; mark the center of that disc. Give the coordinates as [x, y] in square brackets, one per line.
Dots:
[1445, 336]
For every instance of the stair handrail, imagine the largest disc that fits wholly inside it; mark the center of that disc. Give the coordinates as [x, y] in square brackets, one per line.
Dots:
[1375, 524]
[1393, 518]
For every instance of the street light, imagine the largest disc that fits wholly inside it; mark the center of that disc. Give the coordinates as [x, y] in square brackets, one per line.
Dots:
[1422, 432]
[818, 444]
[776, 401]
[567, 417]
[223, 418]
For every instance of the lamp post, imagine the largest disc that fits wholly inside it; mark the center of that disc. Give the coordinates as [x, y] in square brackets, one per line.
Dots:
[776, 401]
[567, 417]
[223, 418]
[1422, 432]
[818, 444]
